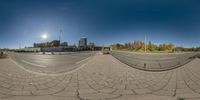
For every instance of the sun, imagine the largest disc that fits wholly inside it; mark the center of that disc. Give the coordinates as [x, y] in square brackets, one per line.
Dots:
[44, 36]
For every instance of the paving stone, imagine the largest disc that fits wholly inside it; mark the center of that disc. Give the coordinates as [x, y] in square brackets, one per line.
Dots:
[29, 88]
[120, 86]
[20, 93]
[183, 91]
[97, 86]
[47, 97]
[142, 91]
[67, 93]
[4, 96]
[87, 91]
[6, 85]
[104, 78]
[42, 92]
[189, 95]
[16, 87]
[132, 86]
[83, 85]
[164, 93]
[107, 90]
[98, 96]
[40, 87]
[144, 97]
[125, 92]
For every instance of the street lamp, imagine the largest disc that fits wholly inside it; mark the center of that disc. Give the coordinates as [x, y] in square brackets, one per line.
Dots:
[44, 37]
[145, 43]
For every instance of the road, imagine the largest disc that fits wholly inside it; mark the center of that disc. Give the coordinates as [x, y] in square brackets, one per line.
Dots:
[103, 77]
[153, 61]
[49, 63]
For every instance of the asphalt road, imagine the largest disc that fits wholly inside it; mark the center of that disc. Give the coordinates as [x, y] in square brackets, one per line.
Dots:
[49, 63]
[153, 62]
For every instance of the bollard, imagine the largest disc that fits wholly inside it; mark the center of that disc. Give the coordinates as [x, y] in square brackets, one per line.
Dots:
[145, 65]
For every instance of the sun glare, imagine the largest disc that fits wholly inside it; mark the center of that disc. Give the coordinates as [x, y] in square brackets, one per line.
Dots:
[44, 36]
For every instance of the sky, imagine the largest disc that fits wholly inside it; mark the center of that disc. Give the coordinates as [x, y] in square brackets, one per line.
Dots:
[104, 22]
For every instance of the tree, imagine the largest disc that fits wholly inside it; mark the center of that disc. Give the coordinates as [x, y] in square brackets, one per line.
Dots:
[139, 45]
[117, 46]
[151, 47]
[91, 46]
[170, 47]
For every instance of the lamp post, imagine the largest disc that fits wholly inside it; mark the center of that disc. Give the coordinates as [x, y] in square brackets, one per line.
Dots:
[145, 39]
[60, 35]
[19, 45]
[44, 37]
[174, 49]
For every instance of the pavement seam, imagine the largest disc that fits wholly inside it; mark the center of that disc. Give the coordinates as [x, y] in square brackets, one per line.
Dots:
[176, 84]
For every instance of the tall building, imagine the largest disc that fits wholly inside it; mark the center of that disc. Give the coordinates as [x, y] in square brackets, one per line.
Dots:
[83, 42]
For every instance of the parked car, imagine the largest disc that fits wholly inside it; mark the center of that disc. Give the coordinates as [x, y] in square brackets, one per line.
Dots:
[106, 50]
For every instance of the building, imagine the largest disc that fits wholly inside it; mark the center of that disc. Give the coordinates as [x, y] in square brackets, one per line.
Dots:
[70, 48]
[64, 44]
[28, 49]
[83, 43]
[97, 48]
[91, 46]
[54, 43]
[39, 45]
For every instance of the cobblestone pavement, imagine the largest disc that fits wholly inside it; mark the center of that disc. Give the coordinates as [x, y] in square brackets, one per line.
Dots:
[101, 78]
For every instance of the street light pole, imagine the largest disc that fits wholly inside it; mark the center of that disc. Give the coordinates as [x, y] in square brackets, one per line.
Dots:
[145, 44]
[19, 45]
[60, 35]
[174, 49]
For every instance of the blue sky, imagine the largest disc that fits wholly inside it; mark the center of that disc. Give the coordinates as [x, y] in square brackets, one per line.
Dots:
[101, 21]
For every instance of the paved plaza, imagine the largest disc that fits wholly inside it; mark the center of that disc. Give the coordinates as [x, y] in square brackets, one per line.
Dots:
[99, 77]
